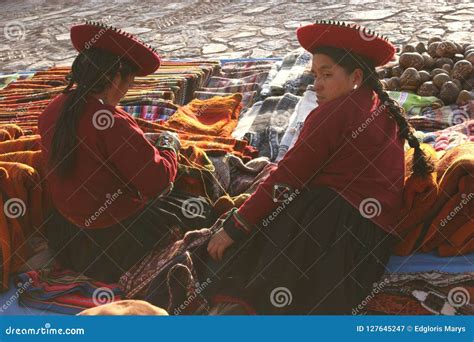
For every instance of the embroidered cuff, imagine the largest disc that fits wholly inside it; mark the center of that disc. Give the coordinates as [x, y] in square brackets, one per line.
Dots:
[236, 227]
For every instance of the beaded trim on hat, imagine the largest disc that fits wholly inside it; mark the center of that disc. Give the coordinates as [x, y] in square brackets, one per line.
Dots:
[356, 27]
[126, 34]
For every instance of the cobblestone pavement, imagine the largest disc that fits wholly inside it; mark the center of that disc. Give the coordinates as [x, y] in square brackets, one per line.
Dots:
[35, 33]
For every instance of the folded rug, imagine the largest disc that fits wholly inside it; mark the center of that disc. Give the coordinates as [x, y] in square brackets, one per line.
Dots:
[419, 193]
[454, 205]
[26, 143]
[216, 116]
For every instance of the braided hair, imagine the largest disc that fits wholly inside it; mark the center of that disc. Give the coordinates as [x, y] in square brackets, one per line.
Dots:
[92, 72]
[421, 165]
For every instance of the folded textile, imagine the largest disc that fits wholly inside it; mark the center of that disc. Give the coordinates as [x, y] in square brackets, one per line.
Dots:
[22, 184]
[241, 88]
[15, 131]
[243, 176]
[174, 81]
[30, 158]
[412, 103]
[64, 291]
[233, 176]
[248, 97]
[218, 82]
[419, 193]
[266, 89]
[150, 112]
[424, 293]
[307, 103]
[454, 206]
[291, 76]
[5, 135]
[217, 116]
[26, 143]
[153, 278]
[434, 118]
[451, 137]
[22, 215]
[239, 187]
[270, 123]
[208, 143]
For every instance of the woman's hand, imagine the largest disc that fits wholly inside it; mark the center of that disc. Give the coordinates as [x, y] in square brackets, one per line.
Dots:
[218, 244]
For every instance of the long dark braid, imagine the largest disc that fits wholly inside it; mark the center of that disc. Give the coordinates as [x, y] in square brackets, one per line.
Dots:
[422, 165]
[92, 72]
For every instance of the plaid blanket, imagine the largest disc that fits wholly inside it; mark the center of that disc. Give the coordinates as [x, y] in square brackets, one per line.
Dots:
[151, 113]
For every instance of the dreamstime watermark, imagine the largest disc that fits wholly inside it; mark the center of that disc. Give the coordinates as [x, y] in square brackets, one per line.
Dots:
[14, 208]
[458, 297]
[291, 197]
[465, 200]
[200, 287]
[103, 119]
[14, 31]
[380, 109]
[90, 43]
[192, 208]
[186, 15]
[110, 199]
[102, 295]
[280, 121]
[370, 207]
[281, 297]
[46, 330]
[367, 35]
[377, 288]
[21, 287]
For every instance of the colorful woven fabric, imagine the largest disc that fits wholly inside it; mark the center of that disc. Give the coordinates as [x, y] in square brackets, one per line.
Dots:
[64, 292]
[422, 294]
[432, 119]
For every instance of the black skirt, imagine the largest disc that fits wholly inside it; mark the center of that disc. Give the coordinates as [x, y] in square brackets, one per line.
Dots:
[104, 254]
[318, 256]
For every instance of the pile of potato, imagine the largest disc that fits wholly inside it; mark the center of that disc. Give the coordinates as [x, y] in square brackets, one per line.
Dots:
[444, 69]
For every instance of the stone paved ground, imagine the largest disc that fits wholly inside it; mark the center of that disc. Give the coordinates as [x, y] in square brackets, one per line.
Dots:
[35, 33]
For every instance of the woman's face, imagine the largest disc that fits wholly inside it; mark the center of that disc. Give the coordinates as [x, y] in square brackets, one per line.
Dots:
[119, 87]
[331, 80]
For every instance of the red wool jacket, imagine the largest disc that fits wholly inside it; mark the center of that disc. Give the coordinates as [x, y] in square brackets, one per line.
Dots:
[117, 169]
[349, 144]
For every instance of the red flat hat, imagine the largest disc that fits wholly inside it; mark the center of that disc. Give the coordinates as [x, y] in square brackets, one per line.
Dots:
[108, 38]
[350, 37]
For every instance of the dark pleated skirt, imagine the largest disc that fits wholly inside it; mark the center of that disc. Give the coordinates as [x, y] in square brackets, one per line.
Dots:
[318, 256]
[105, 254]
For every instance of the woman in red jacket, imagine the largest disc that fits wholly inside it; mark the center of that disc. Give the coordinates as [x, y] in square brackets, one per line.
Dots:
[103, 174]
[318, 232]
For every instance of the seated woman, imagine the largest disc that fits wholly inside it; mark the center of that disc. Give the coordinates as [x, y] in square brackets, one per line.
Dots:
[318, 232]
[103, 174]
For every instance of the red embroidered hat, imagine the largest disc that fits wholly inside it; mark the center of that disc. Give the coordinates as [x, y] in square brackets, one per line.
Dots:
[350, 37]
[111, 39]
